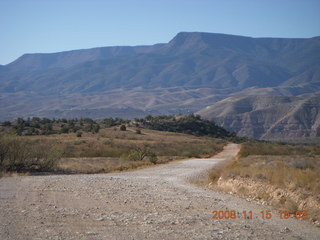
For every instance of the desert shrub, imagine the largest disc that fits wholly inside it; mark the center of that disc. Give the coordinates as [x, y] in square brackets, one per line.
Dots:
[95, 128]
[64, 129]
[134, 156]
[153, 157]
[214, 175]
[138, 153]
[21, 155]
[123, 128]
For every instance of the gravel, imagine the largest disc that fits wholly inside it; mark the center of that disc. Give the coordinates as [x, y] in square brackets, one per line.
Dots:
[152, 203]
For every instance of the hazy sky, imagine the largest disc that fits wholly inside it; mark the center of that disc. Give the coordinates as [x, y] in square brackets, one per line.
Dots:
[31, 26]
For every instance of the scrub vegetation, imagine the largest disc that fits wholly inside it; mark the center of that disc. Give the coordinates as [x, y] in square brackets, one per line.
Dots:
[89, 146]
[286, 176]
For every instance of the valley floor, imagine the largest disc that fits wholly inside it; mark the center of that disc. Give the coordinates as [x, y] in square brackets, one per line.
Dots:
[152, 203]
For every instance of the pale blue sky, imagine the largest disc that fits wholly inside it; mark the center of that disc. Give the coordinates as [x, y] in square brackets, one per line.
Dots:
[32, 26]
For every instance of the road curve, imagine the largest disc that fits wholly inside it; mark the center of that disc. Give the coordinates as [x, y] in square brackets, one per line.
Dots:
[152, 203]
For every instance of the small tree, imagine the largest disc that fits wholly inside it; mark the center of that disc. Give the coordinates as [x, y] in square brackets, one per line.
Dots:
[6, 124]
[123, 127]
[96, 128]
[153, 157]
[64, 129]
[138, 153]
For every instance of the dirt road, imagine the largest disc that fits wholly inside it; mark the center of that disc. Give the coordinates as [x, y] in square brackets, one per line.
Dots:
[152, 203]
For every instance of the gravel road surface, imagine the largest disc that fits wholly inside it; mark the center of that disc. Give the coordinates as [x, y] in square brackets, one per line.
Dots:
[152, 203]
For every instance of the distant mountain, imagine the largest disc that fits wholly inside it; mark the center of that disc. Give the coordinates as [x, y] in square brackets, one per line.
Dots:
[194, 60]
[267, 117]
[192, 71]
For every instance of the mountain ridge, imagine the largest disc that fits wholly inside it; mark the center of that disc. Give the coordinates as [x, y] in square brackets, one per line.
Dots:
[190, 72]
[273, 117]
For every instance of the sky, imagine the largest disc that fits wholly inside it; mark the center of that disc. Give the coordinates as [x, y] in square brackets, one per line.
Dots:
[43, 26]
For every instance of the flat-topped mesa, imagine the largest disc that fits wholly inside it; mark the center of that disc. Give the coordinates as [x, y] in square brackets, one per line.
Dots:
[217, 40]
[66, 59]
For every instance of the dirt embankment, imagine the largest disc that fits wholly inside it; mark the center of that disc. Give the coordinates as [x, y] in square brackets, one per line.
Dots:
[152, 203]
[245, 177]
[266, 194]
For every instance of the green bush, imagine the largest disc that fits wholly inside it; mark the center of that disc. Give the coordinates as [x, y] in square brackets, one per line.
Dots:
[79, 134]
[153, 157]
[138, 153]
[191, 124]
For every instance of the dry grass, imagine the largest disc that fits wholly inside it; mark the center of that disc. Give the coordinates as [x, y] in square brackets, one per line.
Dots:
[265, 148]
[294, 169]
[111, 143]
[108, 150]
[290, 172]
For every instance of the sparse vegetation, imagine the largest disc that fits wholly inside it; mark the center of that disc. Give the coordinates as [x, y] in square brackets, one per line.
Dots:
[267, 148]
[191, 124]
[294, 169]
[44, 126]
[101, 139]
[88, 150]
[25, 155]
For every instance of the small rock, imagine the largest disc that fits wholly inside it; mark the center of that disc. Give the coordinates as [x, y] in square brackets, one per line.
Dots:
[285, 230]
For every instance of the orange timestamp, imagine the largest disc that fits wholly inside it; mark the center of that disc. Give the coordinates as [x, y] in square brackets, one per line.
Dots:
[265, 214]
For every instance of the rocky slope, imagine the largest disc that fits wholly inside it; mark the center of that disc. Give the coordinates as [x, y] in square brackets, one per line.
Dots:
[267, 117]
